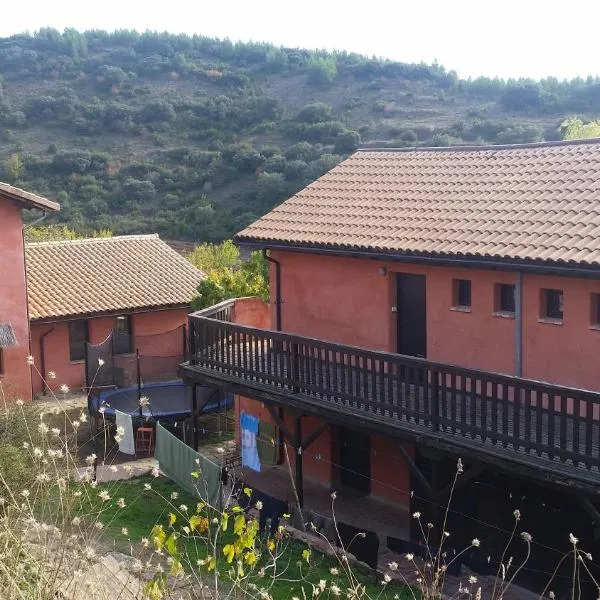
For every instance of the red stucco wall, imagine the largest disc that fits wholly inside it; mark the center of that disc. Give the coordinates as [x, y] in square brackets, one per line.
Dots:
[16, 381]
[253, 312]
[144, 325]
[564, 353]
[349, 301]
[390, 475]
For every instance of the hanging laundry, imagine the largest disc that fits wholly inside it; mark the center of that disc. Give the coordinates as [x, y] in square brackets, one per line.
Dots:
[268, 443]
[249, 428]
[178, 461]
[125, 423]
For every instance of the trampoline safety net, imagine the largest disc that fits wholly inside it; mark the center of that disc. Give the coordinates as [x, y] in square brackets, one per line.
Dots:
[123, 361]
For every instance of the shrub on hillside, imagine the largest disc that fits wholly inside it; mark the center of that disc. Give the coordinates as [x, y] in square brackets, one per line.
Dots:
[322, 70]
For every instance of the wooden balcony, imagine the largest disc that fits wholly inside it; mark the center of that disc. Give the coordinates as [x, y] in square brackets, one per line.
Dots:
[542, 430]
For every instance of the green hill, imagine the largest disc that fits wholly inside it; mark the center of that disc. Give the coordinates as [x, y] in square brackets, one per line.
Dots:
[194, 137]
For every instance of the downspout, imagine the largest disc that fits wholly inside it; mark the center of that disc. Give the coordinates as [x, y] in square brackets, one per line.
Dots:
[519, 324]
[43, 359]
[278, 300]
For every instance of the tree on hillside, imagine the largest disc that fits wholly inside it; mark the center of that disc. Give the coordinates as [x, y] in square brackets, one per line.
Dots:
[53, 233]
[214, 257]
[576, 129]
[14, 168]
[227, 275]
[322, 70]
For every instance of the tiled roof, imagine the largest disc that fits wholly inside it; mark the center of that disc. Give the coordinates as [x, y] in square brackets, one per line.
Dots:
[537, 202]
[28, 199]
[100, 275]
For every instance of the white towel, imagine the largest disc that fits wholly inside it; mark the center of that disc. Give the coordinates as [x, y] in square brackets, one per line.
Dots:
[125, 427]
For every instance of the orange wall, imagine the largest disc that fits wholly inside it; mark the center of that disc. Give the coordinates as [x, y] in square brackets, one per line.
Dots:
[346, 300]
[252, 312]
[16, 381]
[73, 373]
[390, 476]
[564, 353]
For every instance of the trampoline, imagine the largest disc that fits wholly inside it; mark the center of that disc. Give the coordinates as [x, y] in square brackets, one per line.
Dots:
[169, 401]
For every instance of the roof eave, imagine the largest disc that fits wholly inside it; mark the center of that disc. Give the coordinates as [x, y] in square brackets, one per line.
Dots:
[470, 261]
[109, 313]
[27, 199]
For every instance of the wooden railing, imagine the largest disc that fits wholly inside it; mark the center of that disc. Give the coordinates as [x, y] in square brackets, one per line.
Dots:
[529, 417]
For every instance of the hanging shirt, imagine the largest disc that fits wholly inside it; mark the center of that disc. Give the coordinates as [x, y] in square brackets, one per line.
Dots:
[249, 429]
[127, 443]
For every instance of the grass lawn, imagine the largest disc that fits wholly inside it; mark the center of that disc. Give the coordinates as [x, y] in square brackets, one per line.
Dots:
[146, 508]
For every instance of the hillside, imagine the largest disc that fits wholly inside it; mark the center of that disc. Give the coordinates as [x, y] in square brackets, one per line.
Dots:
[195, 137]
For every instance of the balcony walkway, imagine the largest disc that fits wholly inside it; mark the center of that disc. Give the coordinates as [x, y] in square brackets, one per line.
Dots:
[551, 430]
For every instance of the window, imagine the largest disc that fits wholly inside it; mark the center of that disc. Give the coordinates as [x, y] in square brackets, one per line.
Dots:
[505, 298]
[1, 361]
[77, 338]
[123, 338]
[595, 316]
[461, 293]
[552, 304]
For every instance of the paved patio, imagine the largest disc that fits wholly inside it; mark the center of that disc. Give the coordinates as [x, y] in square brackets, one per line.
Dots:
[352, 507]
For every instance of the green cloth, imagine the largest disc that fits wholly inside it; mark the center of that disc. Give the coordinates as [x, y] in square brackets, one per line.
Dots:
[178, 461]
[267, 444]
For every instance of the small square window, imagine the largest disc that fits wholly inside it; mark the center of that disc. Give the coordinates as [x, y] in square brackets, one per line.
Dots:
[123, 342]
[461, 293]
[505, 298]
[552, 304]
[595, 312]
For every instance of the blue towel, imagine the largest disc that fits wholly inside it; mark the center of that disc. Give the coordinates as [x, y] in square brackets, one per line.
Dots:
[249, 427]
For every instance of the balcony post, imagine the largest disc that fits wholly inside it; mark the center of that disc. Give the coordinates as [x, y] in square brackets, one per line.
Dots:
[299, 474]
[435, 400]
[294, 367]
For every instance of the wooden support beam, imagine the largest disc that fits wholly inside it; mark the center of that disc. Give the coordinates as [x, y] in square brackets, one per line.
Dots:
[306, 442]
[194, 417]
[463, 478]
[299, 474]
[415, 470]
[590, 509]
[295, 442]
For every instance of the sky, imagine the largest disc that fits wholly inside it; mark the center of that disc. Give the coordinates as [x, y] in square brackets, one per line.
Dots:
[505, 38]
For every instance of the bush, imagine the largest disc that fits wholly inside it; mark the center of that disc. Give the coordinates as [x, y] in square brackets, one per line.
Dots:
[325, 132]
[315, 113]
[296, 170]
[346, 142]
[520, 134]
[322, 71]
[409, 136]
[302, 151]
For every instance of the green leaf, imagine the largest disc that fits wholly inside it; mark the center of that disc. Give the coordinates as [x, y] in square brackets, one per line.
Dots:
[229, 552]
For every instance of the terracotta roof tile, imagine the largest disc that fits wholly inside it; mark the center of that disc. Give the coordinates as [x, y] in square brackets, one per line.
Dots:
[98, 275]
[531, 202]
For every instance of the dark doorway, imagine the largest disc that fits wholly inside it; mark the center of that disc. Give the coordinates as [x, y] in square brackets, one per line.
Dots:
[412, 315]
[355, 459]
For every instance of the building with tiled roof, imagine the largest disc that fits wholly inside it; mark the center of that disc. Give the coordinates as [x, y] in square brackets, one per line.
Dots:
[513, 204]
[81, 291]
[435, 325]
[74, 278]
